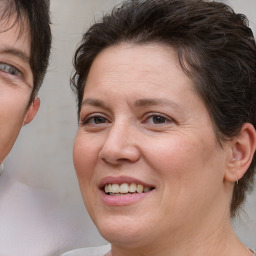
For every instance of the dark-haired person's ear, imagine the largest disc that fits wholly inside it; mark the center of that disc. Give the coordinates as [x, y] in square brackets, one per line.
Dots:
[32, 110]
[242, 151]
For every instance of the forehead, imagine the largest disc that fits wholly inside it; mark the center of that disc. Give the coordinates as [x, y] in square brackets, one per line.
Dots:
[135, 72]
[11, 17]
[151, 63]
[14, 29]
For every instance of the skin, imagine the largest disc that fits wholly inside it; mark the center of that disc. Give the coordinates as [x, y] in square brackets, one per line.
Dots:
[141, 118]
[16, 83]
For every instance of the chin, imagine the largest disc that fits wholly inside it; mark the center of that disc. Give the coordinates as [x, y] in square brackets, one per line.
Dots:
[122, 232]
[125, 240]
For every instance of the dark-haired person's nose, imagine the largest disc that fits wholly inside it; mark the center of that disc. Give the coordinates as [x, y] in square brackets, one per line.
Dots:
[120, 145]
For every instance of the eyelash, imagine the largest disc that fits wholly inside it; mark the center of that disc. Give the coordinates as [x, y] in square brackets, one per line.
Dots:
[157, 115]
[103, 120]
[87, 119]
[10, 69]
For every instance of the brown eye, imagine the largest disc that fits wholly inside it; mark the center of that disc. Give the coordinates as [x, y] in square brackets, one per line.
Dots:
[99, 120]
[159, 119]
[95, 120]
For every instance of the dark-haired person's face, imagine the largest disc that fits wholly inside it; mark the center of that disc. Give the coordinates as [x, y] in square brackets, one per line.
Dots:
[146, 155]
[16, 83]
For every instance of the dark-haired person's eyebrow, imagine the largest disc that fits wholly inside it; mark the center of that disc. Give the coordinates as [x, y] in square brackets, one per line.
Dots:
[95, 103]
[154, 102]
[15, 52]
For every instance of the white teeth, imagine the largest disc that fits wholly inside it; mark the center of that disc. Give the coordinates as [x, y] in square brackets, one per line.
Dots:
[139, 189]
[124, 188]
[116, 189]
[133, 188]
[108, 188]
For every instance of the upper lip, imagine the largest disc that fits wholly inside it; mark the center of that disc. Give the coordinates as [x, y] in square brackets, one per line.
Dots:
[122, 179]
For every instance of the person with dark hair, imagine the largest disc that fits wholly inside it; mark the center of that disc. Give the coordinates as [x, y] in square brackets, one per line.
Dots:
[165, 149]
[25, 42]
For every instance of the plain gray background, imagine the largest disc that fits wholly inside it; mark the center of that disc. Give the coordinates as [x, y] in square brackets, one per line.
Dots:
[41, 210]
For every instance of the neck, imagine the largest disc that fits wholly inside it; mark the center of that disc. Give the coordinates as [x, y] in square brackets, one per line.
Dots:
[220, 241]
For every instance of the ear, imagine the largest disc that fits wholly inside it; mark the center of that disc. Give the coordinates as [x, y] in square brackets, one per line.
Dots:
[32, 110]
[242, 152]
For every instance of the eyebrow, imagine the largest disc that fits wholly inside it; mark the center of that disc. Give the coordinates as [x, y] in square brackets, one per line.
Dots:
[13, 51]
[154, 102]
[94, 103]
[138, 103]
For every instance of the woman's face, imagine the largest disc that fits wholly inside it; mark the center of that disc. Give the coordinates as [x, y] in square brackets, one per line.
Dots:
[144, 128]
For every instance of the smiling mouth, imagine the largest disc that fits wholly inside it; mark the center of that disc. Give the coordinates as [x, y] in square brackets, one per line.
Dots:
[125, 189]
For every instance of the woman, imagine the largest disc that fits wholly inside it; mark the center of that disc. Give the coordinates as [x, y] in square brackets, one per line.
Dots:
[165, 150]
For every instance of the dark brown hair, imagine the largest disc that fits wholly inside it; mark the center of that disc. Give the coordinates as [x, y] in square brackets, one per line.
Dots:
[216, 49]
[35, 15]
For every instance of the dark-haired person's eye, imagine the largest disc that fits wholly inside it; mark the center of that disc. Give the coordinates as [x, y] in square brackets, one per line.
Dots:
[157, 119]
[97, 120]
[9, 69]
[94, 120]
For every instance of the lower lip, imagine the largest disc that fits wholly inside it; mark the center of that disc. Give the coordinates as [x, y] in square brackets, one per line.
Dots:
[123, 199]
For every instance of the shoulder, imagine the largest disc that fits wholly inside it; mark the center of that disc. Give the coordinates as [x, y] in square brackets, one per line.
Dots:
[89, 251]
[254, 251]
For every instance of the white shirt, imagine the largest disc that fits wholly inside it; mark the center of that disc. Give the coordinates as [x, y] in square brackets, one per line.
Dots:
[95, 251]
[90, 251]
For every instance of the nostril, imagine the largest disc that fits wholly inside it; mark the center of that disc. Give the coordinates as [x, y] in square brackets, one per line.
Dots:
[120, 156]
[119, 146]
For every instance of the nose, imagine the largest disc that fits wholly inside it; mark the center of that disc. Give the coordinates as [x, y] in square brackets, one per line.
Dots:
[120, 145]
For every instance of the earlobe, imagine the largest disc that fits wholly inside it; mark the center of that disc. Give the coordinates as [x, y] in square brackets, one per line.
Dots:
[242, 152]
[32, 110]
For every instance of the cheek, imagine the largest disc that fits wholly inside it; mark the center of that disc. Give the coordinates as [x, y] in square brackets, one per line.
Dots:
[169, 155]
[80, 157]
[182, 159]
[13, 106]
[12, 113]
[85, 156]
[187, 169]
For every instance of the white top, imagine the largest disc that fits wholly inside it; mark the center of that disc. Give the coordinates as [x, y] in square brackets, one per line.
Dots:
[95, 251]
[90, 251]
